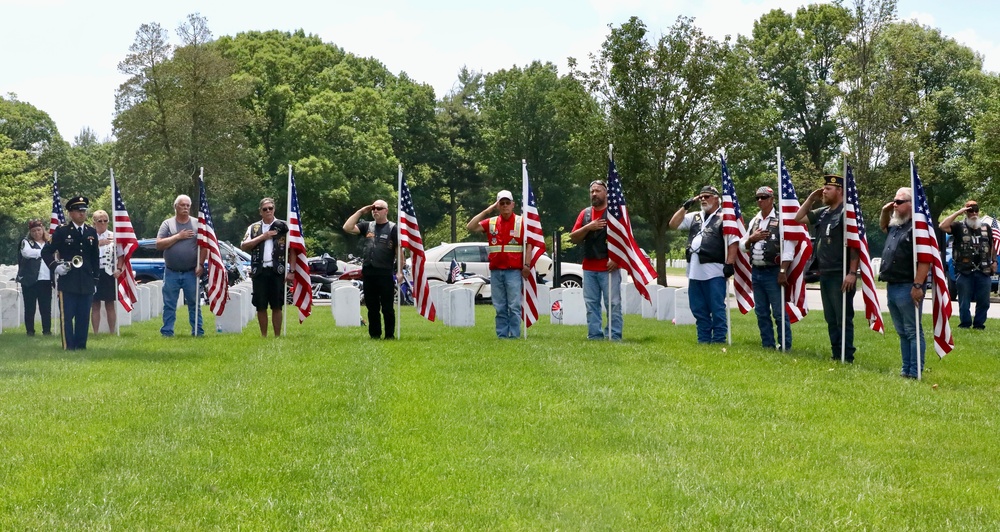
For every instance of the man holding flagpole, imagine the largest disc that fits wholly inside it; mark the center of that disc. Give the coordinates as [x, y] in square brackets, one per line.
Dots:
[904, 287]
[505, 234]
[834, 280]
[602, 276]
[711, 256]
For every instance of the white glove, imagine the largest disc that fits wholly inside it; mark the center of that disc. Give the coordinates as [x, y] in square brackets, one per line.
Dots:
[62, 269]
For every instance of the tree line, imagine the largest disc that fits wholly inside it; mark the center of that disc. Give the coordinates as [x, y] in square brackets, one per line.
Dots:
[823, 81]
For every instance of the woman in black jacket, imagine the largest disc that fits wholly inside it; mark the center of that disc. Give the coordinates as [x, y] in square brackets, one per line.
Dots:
[35, 279]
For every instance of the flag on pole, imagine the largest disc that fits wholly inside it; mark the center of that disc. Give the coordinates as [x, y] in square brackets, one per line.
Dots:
[302, 284]
[996, 234]
[799, 234]
[534, 247]
[217, 288]
[409, 238]
[58, 217]
[454, 271]
[857, 238]
[622, 247]
[927, 251]
[732, 224]
[125, 244]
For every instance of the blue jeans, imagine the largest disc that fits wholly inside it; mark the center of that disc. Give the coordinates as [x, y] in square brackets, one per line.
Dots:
[767, 304]
[173, 283]
[505, 291]
[973, 287]
[707, 300]
[595, 293]
[909, 329]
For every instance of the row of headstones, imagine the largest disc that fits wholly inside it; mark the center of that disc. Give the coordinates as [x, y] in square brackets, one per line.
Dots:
[148, 306]
[665, 304]
[239, 309]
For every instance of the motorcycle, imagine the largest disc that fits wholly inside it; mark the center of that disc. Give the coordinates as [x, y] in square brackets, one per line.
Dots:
[472, 281]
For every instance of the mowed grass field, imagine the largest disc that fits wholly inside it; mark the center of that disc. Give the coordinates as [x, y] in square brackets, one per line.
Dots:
[453, 429]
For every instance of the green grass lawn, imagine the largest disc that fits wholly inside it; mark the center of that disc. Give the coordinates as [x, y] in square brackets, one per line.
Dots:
[451, 428]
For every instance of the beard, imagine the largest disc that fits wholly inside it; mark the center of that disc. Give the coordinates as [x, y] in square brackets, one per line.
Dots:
[973, 223]
[898, 220]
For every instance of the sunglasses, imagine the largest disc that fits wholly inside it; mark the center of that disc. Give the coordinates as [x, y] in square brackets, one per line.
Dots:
[705, 197]
[762, 198]
[100, 221]
[267, 209]
[505, 202]
[972, 209]
[900, 201]
[379, 208]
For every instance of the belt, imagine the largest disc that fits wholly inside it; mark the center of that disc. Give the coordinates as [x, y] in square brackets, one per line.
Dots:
[764, 266]
[180, 271]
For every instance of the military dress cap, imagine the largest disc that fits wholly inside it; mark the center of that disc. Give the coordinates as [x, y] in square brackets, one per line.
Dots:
[79, 203]
[765, 191]
[833, 180]
[709, 189]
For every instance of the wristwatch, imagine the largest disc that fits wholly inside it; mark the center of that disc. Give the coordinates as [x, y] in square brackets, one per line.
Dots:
[918, 285]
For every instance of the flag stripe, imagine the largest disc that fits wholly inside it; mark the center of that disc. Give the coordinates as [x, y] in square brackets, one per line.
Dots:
[794, 232]
[534, 242]
[857, 238]
[125, 244]
[409, 238]
[732, 224]
[927, 251]
[302, 283]
[217, 288]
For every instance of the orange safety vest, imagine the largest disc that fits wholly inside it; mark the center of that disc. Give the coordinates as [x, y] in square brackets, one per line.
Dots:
[506, 251]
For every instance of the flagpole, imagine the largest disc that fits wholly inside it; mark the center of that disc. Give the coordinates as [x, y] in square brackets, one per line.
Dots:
[118, 329]
[524, 254]
[781, 236]
[725, 260]
[399, 251]
[843, 294]
[918, 333]
[197, 258]
[611, 148]
[284, 276]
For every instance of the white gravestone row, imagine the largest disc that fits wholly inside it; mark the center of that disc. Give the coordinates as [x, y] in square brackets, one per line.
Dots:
[238, 311]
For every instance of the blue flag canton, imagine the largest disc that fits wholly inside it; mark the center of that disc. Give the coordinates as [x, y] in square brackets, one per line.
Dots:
[531, 197]
[852, 198]
[119, 202]
[920, 199]
[57, 203]
[203, 205]
[787, 190]
[728, 189]
[616, 198]
[405, 200]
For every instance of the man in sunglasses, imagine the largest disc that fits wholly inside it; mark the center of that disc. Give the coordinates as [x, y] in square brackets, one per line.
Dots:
[182, 259]
[835, 280]
[378, 266]
[904, 286]
[770, 258]
[505, 235]
[710, 255]
[265, 242]
[972, 254]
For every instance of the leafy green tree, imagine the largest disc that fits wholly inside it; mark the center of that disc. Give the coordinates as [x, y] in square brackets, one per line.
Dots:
[458, 181]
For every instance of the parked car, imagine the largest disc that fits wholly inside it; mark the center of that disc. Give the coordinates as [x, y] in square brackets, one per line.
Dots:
[952, 278]
[147, 261]
[474, 257]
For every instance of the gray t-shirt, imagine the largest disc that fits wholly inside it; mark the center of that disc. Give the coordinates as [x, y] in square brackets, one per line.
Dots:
[183, 255]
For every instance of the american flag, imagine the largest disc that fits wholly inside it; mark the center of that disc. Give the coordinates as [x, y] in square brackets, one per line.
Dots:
[996, 235]
[794, 232]
[534, 242]
[57, 218]
[621, 244]
[218, 278]
[302, 284]
[409, 238]
[732, 224]
[927, 251]
[125, 245]
[454, 271]
[857, 237]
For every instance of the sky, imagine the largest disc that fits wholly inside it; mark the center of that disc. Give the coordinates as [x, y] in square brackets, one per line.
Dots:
[62, 55]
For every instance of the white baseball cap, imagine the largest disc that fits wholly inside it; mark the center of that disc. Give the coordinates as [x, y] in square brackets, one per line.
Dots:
[505, 194]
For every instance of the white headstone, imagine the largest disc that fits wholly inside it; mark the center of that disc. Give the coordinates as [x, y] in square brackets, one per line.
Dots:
[666, 303]
[555, 306]
[544, 307]
[682, 308]
[574, 310]
[9, 318]
[233, 316]
[462, 307]
[440, 304]
[649, 305]
[631, 299]
[142, 306]
[348, 306]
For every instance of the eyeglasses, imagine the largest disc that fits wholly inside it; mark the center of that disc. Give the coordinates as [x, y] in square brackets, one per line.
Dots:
[705, 197]
[379, 208]
[900, 201]
[100, 221]
[267, 209]
[505, 202]
[762, 198]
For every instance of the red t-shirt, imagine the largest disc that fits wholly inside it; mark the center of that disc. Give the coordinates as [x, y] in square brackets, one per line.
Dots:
[592, 265]
[504, 235]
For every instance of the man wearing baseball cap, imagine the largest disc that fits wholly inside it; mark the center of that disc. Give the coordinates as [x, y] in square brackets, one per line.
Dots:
[972, 254]
[835, 277]
[505, 236]
[74, 257]
[710, 255]
[602, 276]
[770, 257]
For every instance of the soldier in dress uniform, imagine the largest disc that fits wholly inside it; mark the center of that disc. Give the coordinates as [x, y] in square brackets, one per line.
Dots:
[835, 280]
[73, 255]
